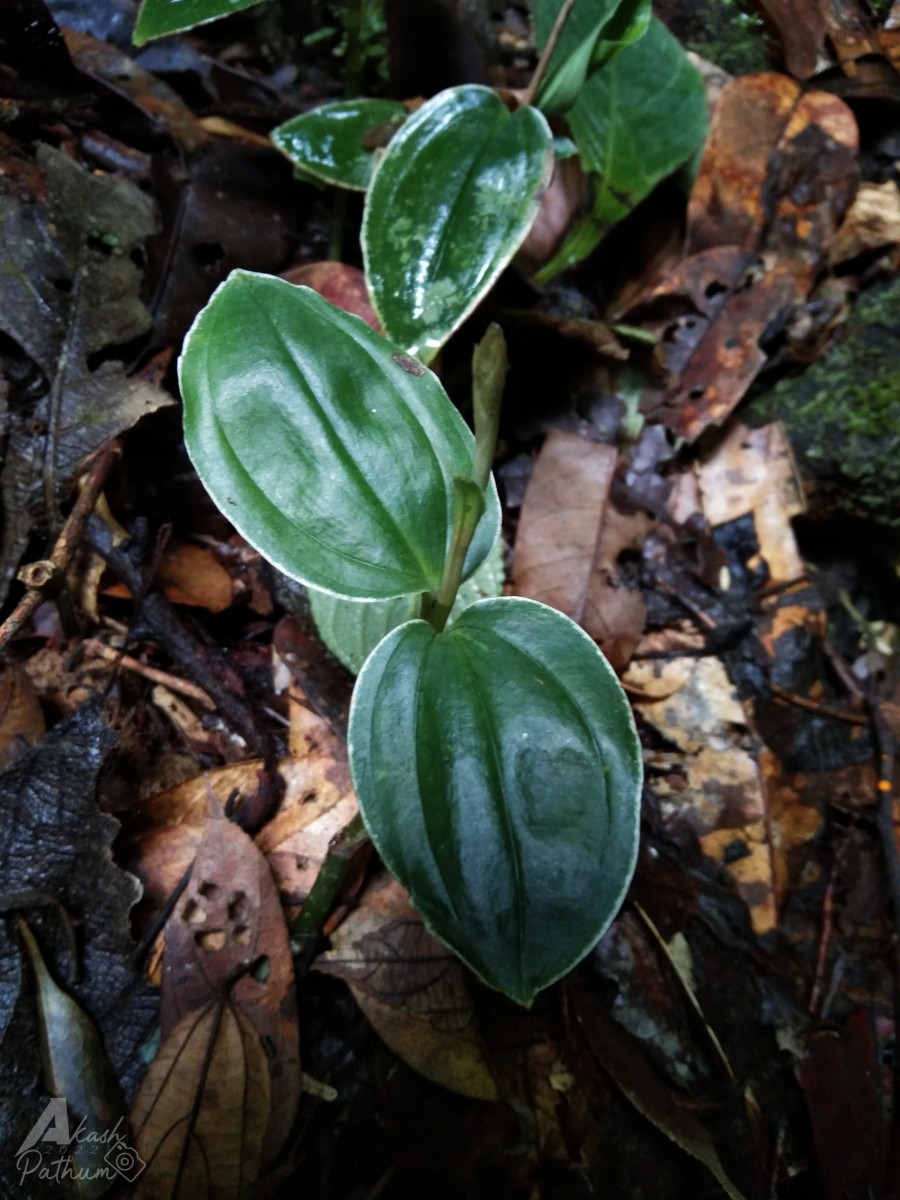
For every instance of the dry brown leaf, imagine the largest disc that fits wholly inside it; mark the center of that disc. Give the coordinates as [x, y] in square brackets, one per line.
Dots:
[229, 917]
[202, 1111]
[340, 284]
[714, 783]
[411, 988]
[873, 222]
[753, 471]
[21, 716]
[569, 539]
[189, 575]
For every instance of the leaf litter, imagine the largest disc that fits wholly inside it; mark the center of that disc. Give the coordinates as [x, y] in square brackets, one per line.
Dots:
[756, 635]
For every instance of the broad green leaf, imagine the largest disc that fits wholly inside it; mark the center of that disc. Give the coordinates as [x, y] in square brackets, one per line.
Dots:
[499, 773]
[325, 446]
[330, 143]
[635, 122]
[450, 202]
[158, 18]
[351, 629]
[594, 33]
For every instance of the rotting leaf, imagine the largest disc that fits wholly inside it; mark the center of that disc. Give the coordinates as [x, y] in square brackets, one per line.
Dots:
[569, 539]
[21, 717]
[201, 1114]
[69, 293]
[622, 1057]
[75, 1066]
[228, 918]
[411, 989]
[57, 868]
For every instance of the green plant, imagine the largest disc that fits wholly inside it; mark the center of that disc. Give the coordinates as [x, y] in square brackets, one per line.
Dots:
[493, 751]
[496, 762]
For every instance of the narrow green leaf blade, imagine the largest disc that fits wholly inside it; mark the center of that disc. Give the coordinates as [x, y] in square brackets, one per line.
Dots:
[351, 629]
[594, 33]
[329, 142]
[499, 774]
[158, 18]
[325, 446]
[635, 123]
[449, 204]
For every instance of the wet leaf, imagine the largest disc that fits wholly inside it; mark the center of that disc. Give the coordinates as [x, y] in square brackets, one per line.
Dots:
[594, 33]
[411, 989]
[330, 142]
[569, 539]
[70, 291]
[227, 919]
[351, 629]
[158, 18]
[451, 201]
[337, 467]
[458, 742]
[76, 1068]
[203, 1108]
[630, 156]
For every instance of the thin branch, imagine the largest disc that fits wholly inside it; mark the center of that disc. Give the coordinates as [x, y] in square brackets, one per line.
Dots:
[544, 61]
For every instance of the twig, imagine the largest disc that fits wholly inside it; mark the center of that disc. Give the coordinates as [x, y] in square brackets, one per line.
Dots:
[334, 870]
[43, 577]
[544, 61]
[821, 709]
[101, 650]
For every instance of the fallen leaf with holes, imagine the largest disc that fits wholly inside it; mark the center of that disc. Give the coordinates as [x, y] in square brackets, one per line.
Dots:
[569, 540]
[411, 988]
[753, 471]
[21, 716]
[714, 782]
[202, 1112]
[228, 920]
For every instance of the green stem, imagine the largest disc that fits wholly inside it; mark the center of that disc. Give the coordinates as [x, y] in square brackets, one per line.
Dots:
[468, 507]
[544, 61]
[329, 881]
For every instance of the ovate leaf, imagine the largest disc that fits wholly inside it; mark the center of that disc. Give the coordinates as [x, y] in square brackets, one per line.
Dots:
[160, 17]
[335, 143]
[498, 771]
[325, 446]
[450, 202]
[595, 31]
[634, 123]
[351, 629]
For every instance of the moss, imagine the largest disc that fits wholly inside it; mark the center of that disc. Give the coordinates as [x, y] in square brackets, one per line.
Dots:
[843, 412]
[733, 39]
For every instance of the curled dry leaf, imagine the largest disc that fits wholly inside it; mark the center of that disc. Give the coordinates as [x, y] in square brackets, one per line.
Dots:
[228, 918]
[411, 988]
[872, 223]
[202, 1112]
[570, 538]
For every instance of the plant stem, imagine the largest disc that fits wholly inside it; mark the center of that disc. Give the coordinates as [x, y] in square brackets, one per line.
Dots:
[544, 61]
[468, 507]
[489, 363]
[331, 876]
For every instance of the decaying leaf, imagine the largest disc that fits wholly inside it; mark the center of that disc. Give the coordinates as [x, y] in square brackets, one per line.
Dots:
[70, 291]
[411, 988]
[228, 919]
[76, 1067]
[570, 538]
[21, 716]
[203, 1109]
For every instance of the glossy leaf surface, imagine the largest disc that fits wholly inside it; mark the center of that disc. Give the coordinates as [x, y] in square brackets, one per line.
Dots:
[450, 202]
[326, 447]
[594, 33]
[635, 122]
[158, 18]
[499, 773]
[351, 629]
[331, 143]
